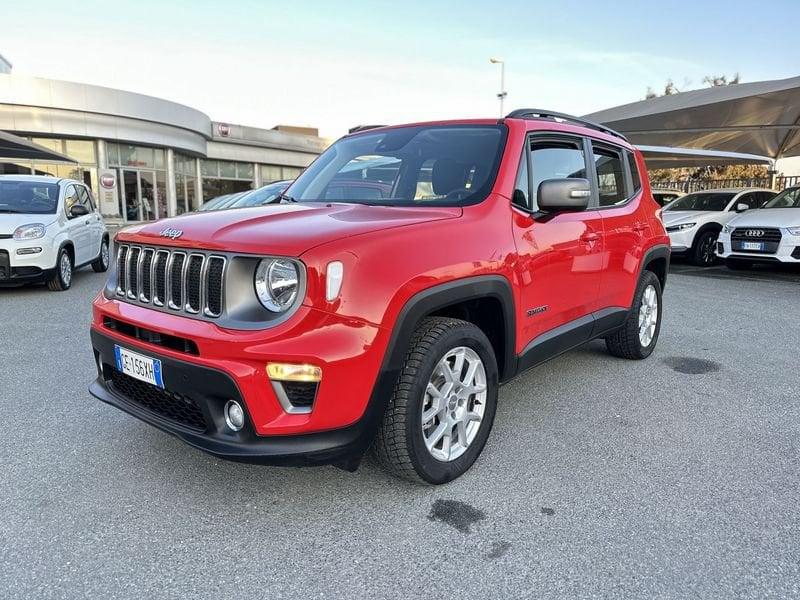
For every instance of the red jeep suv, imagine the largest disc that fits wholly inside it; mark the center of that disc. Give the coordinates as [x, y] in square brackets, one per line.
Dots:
[403, 277]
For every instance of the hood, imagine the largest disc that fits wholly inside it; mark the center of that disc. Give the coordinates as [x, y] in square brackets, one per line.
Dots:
[282, 229]
[768, 217]
[10, 221]
[673, 217]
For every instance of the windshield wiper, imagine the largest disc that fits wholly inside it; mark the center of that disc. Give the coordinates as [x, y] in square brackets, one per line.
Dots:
[286, 197]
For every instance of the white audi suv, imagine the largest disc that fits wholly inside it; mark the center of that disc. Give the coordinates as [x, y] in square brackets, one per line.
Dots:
[770, 234]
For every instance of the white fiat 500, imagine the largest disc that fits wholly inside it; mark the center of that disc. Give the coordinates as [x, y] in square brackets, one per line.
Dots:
[48, 228]
[694, 221]
[770, 234]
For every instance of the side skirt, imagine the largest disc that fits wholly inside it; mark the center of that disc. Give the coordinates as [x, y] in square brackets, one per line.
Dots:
[571, 335]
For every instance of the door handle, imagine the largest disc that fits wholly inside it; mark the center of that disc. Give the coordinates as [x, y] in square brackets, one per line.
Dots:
[639, 226]
[590, 237]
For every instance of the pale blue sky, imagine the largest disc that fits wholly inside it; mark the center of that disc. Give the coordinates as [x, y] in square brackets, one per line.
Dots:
[337, 64]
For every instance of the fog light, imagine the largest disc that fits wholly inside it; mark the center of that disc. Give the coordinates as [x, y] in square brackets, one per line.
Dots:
[293, 372]
[24, 251]
[234, 415]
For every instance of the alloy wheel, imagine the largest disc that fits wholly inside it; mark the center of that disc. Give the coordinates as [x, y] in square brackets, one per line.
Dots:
[454, 404]
[65, 267]
[707, 254]
[104, 254]
[648, 316]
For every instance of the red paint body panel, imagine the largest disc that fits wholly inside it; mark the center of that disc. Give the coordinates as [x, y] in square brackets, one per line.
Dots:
[574, 264]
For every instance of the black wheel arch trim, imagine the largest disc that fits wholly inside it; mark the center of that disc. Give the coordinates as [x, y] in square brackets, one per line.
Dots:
[653, 253]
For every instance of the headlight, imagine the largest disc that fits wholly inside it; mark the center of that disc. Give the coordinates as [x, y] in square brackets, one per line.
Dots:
[31, 231]
[681, 227]
[277, 282]
[794, 230]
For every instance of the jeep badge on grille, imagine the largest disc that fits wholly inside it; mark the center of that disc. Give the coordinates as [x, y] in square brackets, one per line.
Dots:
[170, 233]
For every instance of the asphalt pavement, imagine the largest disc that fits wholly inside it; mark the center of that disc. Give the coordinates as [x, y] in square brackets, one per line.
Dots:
[674, 477]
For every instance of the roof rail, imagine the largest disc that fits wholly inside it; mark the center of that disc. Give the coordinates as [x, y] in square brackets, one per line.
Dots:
[358, 128]
[537, 113]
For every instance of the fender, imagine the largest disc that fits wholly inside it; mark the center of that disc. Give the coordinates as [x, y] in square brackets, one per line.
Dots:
[654, 252]
[444, 295]
[415, 309]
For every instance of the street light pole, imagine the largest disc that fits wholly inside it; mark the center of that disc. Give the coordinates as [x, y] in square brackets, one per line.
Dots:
[503, 93]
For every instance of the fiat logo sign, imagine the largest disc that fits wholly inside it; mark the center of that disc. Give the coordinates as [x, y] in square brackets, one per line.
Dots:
[108, 181]
[223, 129]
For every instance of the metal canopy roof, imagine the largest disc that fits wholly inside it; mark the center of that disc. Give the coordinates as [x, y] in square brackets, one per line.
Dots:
[761, 118]
[665, 157]
[12, 146]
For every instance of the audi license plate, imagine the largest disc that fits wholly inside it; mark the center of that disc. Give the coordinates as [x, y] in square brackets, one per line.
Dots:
[758, 246]
[139, 366]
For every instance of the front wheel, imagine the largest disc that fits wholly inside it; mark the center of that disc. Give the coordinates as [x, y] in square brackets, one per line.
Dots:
[704, 249]
[100, 264]
[637, 338]
[443, 405]
[61, 279]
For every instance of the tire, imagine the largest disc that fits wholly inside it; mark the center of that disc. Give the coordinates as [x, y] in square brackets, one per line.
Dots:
[703, 249]
[61, 279]
[100, 264]
[627, 342]
[736, 264]
[400, 444]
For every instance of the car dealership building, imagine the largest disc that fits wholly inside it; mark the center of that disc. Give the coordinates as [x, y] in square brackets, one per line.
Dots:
[144, 157]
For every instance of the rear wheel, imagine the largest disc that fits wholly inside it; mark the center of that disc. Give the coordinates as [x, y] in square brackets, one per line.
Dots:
[738, 264]
[442, 409]
[637, 338]
[61, 279]
[704, 249]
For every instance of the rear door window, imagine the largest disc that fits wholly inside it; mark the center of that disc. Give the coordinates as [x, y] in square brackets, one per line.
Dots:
[610, 175]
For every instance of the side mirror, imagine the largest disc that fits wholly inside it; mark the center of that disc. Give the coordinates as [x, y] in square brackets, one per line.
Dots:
[78, 210]
[741, 207]
[564, 195]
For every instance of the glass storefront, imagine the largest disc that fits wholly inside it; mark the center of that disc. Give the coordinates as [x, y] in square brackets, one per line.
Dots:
[83, 151]
[270, 173]
[142, 176]
[185, 183]
[221, 177]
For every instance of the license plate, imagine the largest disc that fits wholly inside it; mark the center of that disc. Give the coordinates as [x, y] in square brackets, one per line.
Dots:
[139, 366]
[752, 245]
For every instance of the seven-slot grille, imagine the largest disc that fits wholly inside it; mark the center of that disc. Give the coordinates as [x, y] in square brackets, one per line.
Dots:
[181, 280]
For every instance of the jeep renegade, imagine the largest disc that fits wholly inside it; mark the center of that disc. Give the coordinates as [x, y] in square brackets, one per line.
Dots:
[403, 277]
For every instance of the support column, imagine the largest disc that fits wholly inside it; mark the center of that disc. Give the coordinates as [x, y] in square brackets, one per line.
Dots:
[172, 198]
[256, 177]
[198, 196]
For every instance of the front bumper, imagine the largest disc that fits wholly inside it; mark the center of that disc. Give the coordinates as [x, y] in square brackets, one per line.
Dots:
[788, 250]
[208, 390]
[681, 241]
[26, 268]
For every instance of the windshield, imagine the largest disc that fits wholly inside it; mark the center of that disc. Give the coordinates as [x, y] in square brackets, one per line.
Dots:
[408, 166]
[789, 198]
[28, 197]
[716, 201]
[263, 195]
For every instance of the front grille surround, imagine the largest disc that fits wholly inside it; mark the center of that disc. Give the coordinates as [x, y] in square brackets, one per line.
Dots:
[161, 277]
[769, 236]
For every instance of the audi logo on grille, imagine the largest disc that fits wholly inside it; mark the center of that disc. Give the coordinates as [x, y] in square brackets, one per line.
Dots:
[754, 233]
